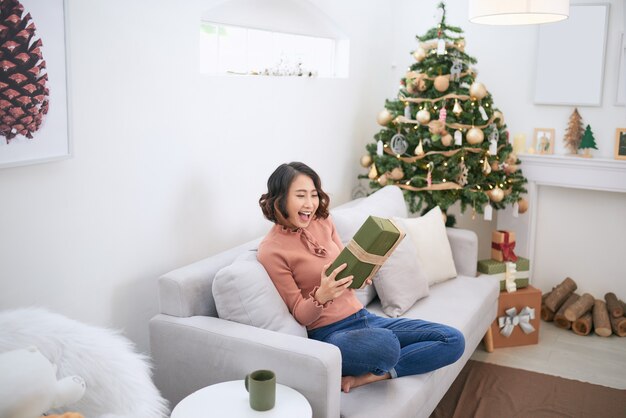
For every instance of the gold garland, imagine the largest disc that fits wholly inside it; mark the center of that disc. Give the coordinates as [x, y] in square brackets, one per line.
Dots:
[450, 153]
[427, 46]
[423, 76]
[404, 119]
[421, 100]
[440, 186]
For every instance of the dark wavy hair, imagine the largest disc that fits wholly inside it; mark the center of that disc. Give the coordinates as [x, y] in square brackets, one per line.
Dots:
[274, 202]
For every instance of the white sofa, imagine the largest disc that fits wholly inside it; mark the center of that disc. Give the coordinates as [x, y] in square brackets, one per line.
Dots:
[192, 347]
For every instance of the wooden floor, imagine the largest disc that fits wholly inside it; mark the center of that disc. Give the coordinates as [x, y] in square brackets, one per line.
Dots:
[562, 353]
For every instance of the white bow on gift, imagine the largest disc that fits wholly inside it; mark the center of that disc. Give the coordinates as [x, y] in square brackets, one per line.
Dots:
[512, 318]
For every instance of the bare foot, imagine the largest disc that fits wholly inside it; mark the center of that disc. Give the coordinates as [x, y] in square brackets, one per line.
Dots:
[349, 382]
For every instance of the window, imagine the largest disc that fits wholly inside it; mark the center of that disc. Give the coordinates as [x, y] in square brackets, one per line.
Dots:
[284, 38]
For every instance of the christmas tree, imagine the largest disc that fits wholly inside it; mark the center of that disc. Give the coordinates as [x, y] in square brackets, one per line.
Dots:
[588, 141]
[443, 140]
[574, 132]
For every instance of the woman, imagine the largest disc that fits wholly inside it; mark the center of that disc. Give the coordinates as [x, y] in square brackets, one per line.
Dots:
[296, 253]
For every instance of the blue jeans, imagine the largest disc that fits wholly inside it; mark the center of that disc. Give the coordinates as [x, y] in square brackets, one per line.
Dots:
[398, 346]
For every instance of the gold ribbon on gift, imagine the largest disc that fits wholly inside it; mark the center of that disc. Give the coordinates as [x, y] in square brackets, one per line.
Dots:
[363, 255]
[369, 258]
[508, 322]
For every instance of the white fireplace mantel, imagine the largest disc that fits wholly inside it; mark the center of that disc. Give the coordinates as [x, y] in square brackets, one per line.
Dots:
[576, 172]
[597, 174]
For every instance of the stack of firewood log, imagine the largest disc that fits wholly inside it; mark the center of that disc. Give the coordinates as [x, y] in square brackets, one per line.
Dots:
[582, 314]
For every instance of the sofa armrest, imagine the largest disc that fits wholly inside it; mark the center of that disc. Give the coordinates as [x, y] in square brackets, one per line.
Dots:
[191, 353]
[464, 244]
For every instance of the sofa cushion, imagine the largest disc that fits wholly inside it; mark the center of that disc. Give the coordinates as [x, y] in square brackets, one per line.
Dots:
[466, 303]
[348, 218]
[428, 233]
[244, 293]
[401, 281]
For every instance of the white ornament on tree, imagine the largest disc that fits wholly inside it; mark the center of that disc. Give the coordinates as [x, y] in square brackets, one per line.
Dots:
[457, 110]
[399, 144]
[488, 212]
[455, 70]
[379, 148]
[423, 116]
[483, 114]
[441, 47]
[458, 137]
[419, 150]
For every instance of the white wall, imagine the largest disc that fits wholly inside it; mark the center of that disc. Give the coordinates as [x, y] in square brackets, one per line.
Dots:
[168, 165]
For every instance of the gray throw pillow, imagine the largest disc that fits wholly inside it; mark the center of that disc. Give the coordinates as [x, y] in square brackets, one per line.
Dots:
[244, 293]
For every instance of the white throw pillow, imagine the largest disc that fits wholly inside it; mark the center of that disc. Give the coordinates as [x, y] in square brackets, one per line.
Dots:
[244, 293]
[401, 281]
[348, 218]
[428, 233]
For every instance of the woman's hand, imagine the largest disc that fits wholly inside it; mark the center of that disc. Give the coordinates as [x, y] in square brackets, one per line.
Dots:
[329, 287]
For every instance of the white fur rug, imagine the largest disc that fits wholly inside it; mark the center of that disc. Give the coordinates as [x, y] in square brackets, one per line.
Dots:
[118, 379]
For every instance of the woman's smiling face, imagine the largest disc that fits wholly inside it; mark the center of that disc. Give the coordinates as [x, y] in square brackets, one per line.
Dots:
[302, 201]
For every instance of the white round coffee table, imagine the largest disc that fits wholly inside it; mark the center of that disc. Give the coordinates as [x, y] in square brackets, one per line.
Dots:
[230, 399]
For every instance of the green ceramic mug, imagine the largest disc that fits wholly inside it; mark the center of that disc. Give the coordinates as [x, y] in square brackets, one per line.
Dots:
[261, 384]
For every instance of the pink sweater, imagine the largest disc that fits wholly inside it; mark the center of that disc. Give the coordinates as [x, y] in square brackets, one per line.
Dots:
[294, 261]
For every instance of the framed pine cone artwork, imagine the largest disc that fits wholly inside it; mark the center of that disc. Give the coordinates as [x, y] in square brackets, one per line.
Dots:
[34, 116]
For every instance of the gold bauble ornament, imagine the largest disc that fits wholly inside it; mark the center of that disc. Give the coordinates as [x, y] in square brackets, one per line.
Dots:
[382, 180]
[477, 90]
[419, 54]
[384, 117]
[475, 136]
[397, 173]
[423, 116]
[511, 158]
[436, 127]
[446, 140]
[373, 172]
[442, 83]
[522, 205]
[495, 166]
[366, 160]
[511, 168]
[496, 195]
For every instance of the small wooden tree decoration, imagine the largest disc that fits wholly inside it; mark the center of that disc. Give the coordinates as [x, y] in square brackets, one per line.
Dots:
[574, 132]
[588, 142]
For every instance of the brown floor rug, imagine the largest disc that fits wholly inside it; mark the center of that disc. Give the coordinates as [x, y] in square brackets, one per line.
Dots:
[486, 390]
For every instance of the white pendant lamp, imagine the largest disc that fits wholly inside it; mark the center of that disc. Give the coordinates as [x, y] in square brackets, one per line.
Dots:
[517, 12]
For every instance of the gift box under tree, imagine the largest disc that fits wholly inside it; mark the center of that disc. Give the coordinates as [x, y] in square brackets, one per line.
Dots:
[517, 322]
[503, 246]
[497, 269]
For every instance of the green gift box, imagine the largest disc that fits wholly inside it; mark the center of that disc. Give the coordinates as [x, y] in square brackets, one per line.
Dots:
[370, 247]
[497, 269]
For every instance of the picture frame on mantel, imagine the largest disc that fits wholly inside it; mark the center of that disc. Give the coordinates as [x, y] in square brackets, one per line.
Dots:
[543, 141]
[36, 124]
[620, 144]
